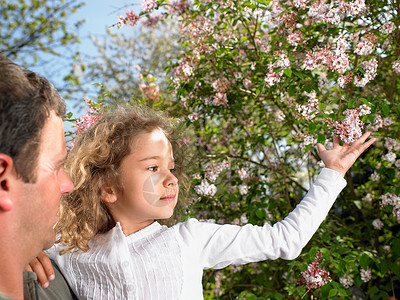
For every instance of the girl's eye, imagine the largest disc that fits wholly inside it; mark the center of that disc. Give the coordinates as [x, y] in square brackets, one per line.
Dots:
[153, 169]
[172, 170]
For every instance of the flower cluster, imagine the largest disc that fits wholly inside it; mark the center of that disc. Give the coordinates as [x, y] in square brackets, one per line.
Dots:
[393, 200]
[346, 280]
[314, 277]
[377, 224]
[148, 5]
[388, 27]
[130, 20]
[350, 129]
[309, 110]
[273, 77]
[205, 189]
[396, 66]
[366, 275]
[95, 112]
[370, 68]
[367, 45]
[213, 170]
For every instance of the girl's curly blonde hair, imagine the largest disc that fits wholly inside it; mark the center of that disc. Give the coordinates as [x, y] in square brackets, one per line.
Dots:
[95, 160]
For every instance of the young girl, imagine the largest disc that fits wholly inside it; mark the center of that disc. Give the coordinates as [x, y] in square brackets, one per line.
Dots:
[125, 170]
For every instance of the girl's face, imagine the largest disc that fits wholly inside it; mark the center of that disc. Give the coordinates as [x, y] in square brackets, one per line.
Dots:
[150, 189]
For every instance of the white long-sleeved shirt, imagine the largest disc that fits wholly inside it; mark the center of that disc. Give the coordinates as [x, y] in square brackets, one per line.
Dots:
[158, 262]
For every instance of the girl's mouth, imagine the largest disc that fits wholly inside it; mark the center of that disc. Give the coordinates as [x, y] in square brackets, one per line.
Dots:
[168, 198]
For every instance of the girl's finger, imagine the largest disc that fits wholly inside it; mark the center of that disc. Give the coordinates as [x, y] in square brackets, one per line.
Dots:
[46, 264]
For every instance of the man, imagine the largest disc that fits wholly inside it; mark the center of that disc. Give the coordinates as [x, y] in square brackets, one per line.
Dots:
[32, 178]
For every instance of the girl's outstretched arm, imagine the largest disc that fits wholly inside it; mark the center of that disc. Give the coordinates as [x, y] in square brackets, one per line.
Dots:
[341, 158]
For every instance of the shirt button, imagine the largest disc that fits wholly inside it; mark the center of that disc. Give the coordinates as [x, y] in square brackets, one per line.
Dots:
[130, 287]
[125, 263]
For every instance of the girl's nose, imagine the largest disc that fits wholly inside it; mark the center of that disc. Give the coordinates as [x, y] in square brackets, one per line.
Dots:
[171, 180]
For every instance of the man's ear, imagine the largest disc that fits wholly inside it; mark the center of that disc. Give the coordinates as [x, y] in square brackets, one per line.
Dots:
[108, 193]
[6, 168]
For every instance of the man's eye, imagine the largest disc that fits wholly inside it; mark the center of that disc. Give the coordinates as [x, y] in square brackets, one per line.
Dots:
[153, 169]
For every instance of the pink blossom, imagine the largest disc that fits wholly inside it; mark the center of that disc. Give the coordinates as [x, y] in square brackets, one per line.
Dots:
[151, 21]
[295, 38]
[314, 277]
[205, 188]
[150, 91]
[394, 201]
[247, 83]
[94, 113]
[377, 224]
[308, 110]
[193, 117]
[354, 8]
[148, 5]
[273, 77]
[370, 68]
[388, 27]
[346, 280]
[367, 45]
[220, 85]
[177, 6]
[375, 176]
[333, 16]
[351, 127]
[243, 189]
[243, 174]
[366, 275]
[390, 157]
[368, 198]
[130, 20]
[243, 219]
[378, 122]
[300, 3]
[396, 66]
[220, 99]
[345, 79]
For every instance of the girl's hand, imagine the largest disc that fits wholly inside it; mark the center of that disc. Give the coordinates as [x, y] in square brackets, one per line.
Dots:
[41, 265]
[341, 158]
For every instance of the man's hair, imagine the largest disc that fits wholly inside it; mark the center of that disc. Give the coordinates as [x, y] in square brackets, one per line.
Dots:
[26, 101]
[95, 161]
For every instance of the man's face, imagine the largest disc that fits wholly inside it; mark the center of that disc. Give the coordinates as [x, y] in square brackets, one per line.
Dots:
[38, 202]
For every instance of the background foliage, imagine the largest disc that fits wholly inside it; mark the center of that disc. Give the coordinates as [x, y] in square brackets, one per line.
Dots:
[259, 83]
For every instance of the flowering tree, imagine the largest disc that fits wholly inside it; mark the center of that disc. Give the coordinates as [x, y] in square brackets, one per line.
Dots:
[259, 83]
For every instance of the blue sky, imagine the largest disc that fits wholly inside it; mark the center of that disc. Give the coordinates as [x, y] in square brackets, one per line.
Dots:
[98, 15]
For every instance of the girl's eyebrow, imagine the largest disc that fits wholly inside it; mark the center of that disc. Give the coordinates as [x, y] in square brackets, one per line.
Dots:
[153, 157]
[149, 158]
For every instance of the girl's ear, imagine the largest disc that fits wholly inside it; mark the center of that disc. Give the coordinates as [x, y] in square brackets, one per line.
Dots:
[6, 167]
[108, 193]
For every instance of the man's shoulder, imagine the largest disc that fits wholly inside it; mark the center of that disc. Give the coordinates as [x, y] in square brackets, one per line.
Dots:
[57, 289]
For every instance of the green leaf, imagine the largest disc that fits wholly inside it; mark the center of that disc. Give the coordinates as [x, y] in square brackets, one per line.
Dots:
[332, 293]
[385, 109]
[364, 260]
[298, 74]
[292, 90]
[365, 101]
[288, 72]
[261, 214]
[358, 204]
[321, 138]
